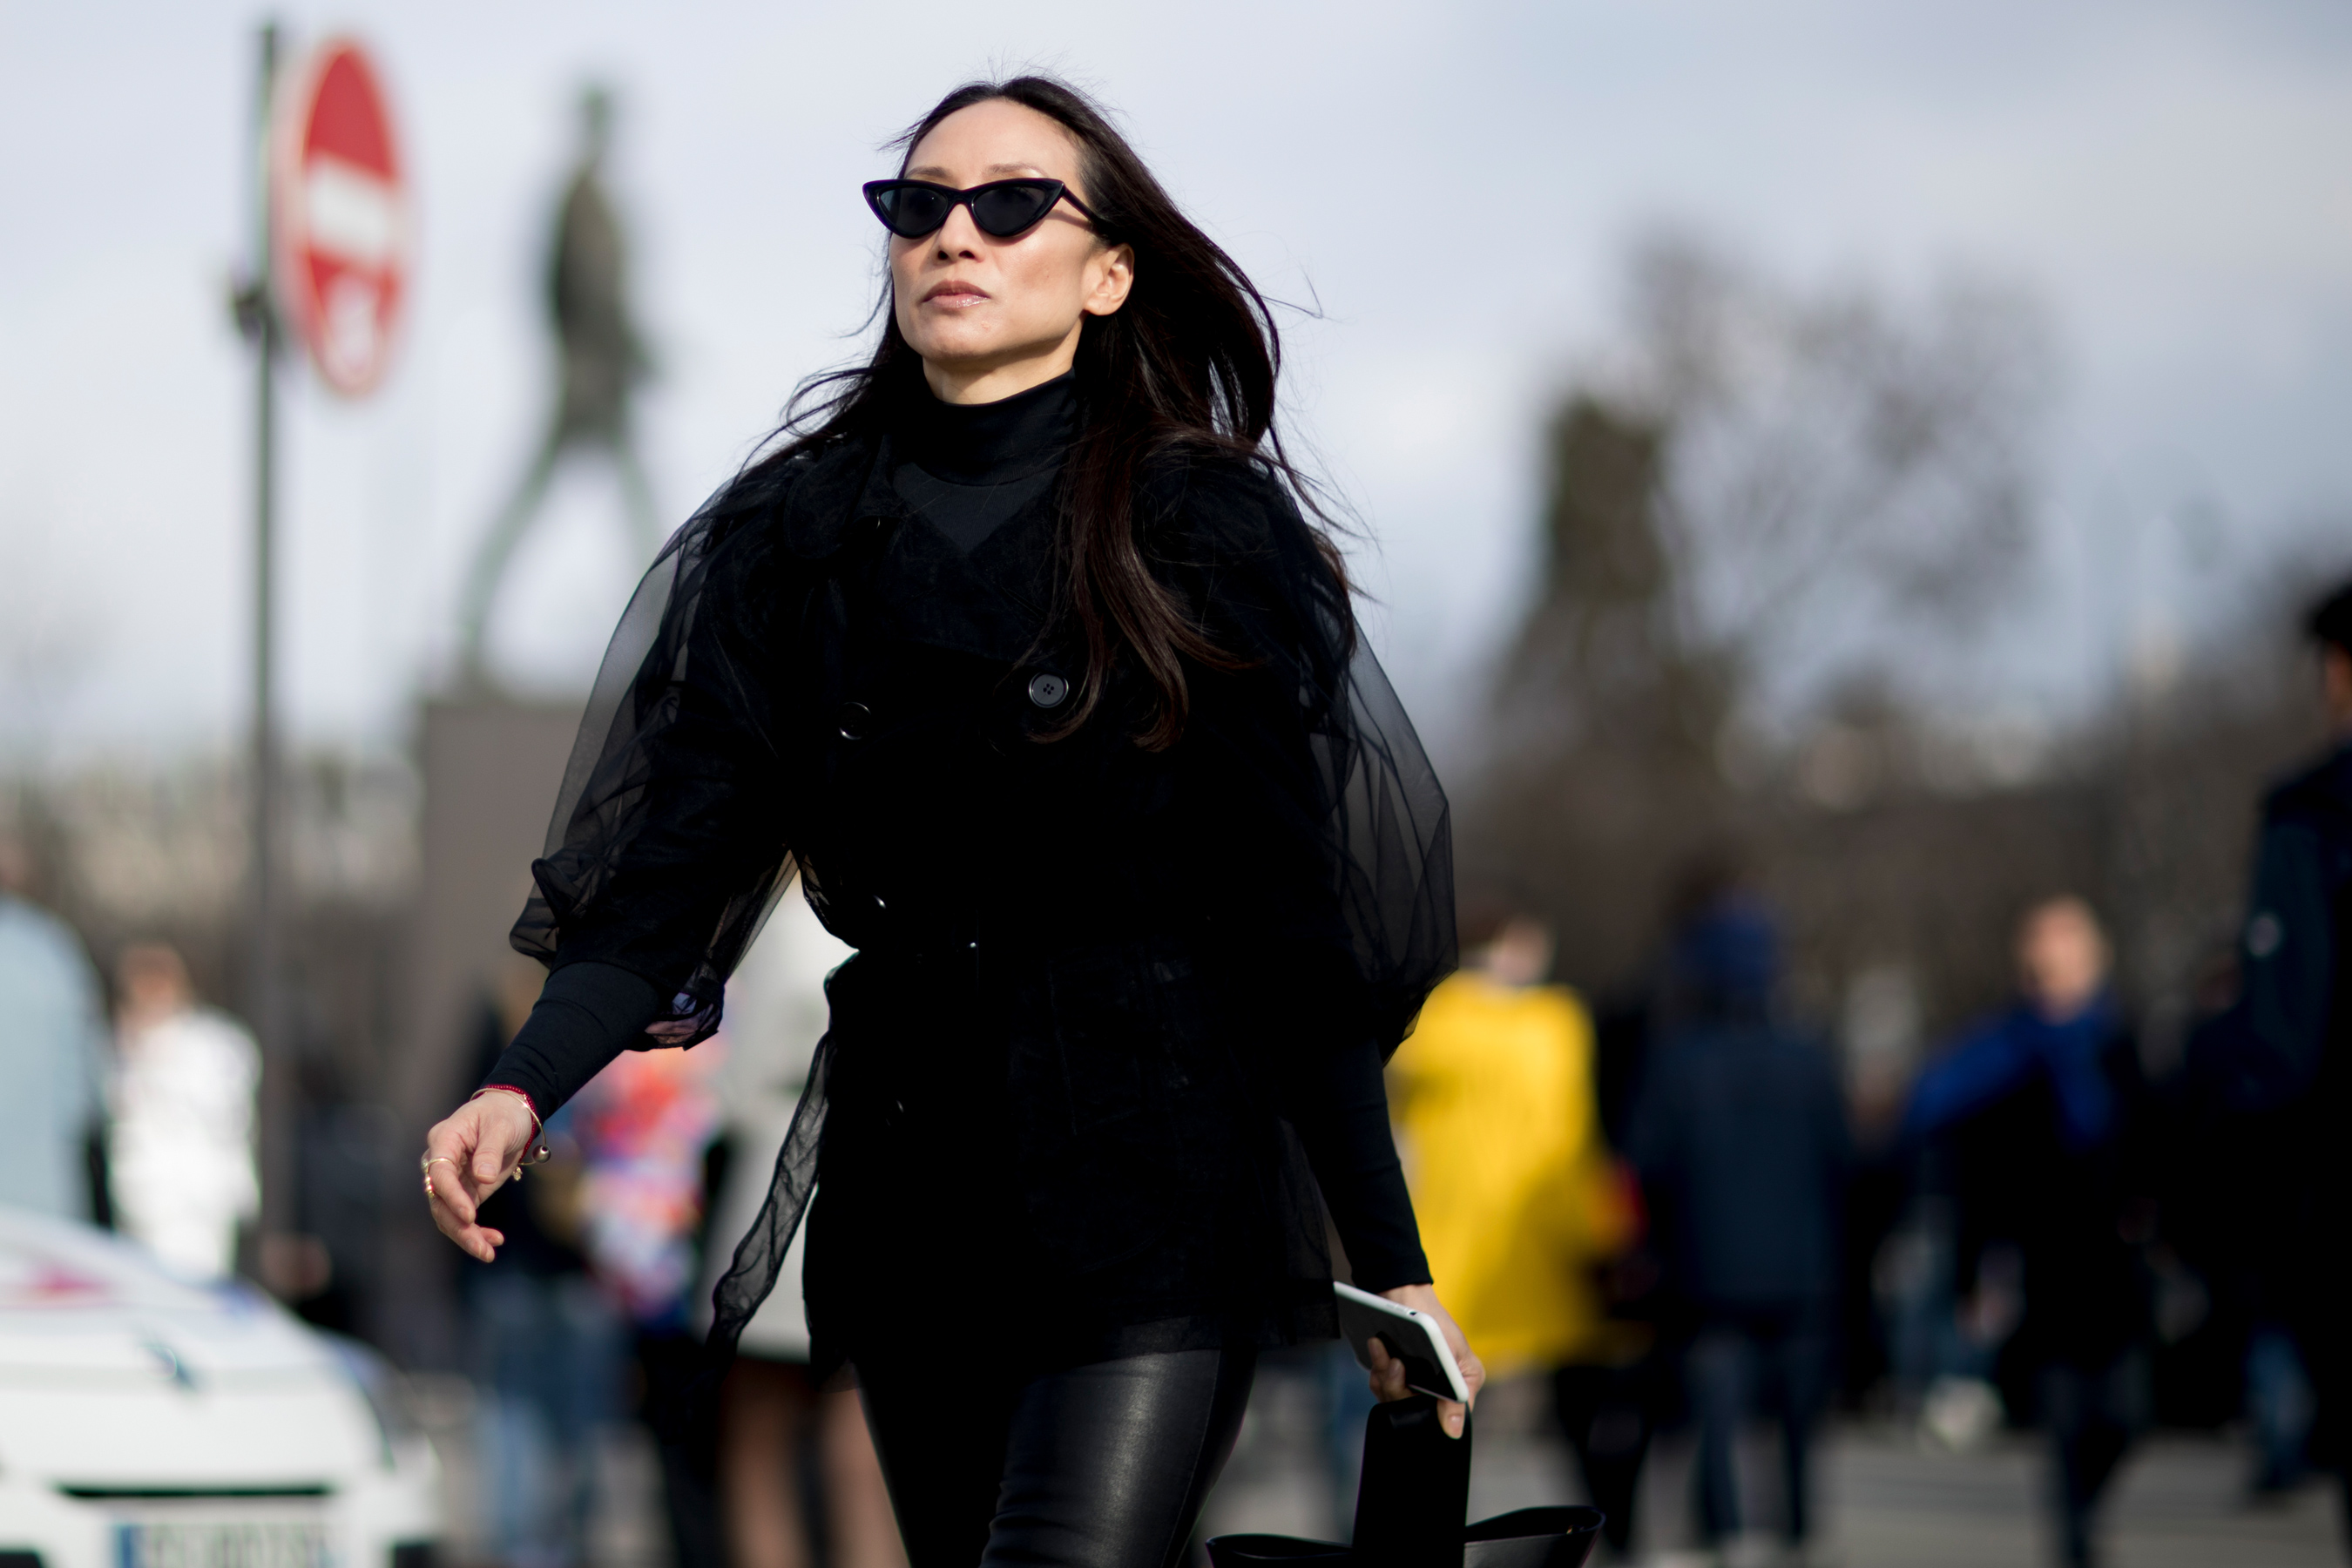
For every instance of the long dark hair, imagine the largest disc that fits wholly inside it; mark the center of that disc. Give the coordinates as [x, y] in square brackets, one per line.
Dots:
[1185, 367]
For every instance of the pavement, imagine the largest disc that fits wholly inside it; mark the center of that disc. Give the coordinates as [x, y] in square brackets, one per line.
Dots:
[1883, 1500]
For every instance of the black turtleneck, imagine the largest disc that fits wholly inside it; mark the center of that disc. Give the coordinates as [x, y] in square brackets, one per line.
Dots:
[970, 465]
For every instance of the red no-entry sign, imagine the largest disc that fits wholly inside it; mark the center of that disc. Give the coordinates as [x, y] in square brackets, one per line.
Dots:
[341, 215]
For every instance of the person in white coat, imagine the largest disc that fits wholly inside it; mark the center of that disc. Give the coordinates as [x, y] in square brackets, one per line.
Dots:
[775, 1014]
[180, 1150]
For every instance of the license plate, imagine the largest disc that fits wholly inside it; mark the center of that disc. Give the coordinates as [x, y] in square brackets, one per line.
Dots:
[223, 1543]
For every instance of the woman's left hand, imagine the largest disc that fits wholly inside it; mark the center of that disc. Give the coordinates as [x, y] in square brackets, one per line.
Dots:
[1388, 1373]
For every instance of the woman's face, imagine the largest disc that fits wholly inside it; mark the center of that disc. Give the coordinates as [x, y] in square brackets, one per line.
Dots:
[995, 317]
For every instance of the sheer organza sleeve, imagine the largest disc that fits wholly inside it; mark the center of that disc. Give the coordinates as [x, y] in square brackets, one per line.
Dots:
[1392, 841]
[1349, 836]
[666, 849]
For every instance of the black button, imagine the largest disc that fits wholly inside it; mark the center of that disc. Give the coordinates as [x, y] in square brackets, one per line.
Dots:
[1046, 690]
[853, 720]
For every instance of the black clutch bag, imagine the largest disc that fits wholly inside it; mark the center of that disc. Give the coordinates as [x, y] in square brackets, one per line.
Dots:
[1411, 1506]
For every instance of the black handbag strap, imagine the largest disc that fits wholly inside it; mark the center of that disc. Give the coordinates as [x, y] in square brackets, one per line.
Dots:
[1415, 1501]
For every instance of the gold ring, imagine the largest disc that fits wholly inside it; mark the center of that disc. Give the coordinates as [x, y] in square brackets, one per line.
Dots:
[425, 1162]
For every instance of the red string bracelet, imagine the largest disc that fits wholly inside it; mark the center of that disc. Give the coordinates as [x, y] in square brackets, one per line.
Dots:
[538, 1155]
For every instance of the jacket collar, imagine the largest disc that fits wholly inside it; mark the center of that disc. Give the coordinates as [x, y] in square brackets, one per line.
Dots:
[992, 603]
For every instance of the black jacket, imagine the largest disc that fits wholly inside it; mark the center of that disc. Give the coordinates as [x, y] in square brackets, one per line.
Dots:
[2270, 1080]
[2058, 1158]
[1100, 991]
[1740, 1139]
[2287, 1036]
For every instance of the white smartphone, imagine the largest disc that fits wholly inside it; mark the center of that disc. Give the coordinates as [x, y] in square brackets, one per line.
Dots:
[1408, 1336]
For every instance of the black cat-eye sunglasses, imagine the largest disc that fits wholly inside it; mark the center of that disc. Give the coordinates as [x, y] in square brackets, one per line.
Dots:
[1002, 208]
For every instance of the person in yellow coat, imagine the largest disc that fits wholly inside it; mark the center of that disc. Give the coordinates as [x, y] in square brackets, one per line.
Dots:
[1520, 1202]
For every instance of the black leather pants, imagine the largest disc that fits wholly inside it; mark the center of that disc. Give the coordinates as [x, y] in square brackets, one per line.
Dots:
[1097, 1466]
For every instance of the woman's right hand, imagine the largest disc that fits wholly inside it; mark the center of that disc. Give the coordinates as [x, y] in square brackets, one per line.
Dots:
[1389, 1373]
[468, 1156]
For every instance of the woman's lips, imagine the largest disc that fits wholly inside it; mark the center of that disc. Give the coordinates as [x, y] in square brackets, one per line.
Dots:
[954, 292]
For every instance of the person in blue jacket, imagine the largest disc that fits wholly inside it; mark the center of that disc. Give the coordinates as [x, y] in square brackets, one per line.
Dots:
[2043, 1107]
[52, 1052]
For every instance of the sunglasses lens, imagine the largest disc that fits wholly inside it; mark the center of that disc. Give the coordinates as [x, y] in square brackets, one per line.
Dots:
[911, 211]
[1006, 210]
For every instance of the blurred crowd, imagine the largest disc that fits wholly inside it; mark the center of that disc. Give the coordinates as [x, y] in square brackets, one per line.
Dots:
[1677, 1208]
[139, 1113]
[1681, 1216]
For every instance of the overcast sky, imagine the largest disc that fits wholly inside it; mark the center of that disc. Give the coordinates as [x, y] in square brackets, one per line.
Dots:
[1453, 183]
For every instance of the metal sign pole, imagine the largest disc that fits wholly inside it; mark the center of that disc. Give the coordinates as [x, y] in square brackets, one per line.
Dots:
[257, 314]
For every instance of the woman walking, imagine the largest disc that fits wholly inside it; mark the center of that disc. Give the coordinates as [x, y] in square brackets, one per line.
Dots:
[1025, 653]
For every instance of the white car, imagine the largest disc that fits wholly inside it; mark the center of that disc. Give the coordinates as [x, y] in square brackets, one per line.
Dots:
[146, 1422]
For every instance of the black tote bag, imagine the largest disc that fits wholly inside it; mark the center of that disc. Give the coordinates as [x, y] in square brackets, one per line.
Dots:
[1411, 1506]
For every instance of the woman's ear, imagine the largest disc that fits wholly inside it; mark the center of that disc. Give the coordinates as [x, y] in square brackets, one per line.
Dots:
[1113, 270]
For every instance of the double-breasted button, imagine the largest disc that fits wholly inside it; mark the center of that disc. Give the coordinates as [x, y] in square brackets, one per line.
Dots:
[853, 720]
[1046, 690]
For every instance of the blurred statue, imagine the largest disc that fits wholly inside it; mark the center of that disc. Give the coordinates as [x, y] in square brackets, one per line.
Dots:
[604, 359]
[180, 1154]
[52, 1034]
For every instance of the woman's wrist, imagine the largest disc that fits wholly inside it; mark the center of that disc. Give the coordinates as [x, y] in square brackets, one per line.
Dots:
[534, 1150]
[537, 1124]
